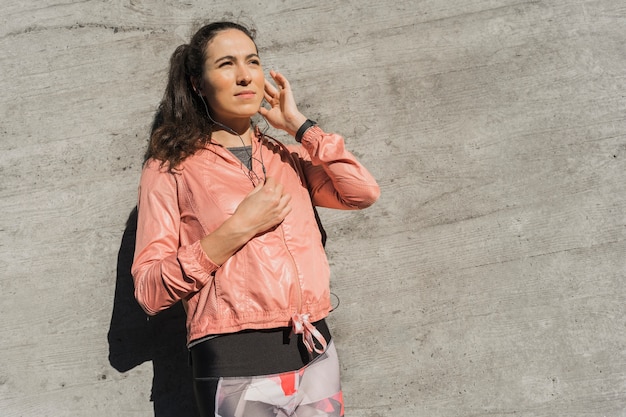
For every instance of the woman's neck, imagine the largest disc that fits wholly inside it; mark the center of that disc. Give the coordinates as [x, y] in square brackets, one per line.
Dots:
[230, 139]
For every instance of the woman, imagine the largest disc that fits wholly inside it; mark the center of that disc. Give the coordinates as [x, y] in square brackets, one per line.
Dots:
[226, 224]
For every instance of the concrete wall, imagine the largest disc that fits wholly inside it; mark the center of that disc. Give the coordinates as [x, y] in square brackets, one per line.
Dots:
[489, 280]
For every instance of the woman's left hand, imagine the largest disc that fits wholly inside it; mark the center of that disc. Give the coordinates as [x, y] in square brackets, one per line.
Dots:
[283, 113]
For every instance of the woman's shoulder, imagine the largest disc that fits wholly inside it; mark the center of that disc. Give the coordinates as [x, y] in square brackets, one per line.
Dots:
[158, 166]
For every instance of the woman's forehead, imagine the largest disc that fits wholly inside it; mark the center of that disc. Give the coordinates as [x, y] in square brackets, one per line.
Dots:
[230, 42]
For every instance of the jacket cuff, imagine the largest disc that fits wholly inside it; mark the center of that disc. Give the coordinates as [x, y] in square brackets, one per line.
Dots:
[195, 263]
[311, 134]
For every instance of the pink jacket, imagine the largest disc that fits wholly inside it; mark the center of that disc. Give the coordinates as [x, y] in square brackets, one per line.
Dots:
[276, 275]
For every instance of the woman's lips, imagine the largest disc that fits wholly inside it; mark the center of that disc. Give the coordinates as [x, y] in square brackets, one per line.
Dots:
[246, 94]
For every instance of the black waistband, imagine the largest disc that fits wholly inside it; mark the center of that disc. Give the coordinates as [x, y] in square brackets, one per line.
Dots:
[252, 352]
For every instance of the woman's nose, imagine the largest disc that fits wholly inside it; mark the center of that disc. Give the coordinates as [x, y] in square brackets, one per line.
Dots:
[243, 76]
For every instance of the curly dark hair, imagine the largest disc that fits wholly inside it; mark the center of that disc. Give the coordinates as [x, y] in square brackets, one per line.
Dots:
[181, 126]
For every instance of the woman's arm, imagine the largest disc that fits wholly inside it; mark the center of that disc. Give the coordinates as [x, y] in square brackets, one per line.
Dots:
[164, 271]
[265, 207]
[336, 179]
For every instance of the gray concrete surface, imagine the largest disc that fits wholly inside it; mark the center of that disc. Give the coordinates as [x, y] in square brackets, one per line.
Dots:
[487, 281]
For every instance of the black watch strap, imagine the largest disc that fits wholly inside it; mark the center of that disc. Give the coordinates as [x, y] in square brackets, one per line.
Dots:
[305, 126]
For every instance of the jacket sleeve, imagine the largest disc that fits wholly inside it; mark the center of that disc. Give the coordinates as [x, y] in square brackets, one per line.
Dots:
[164, 271]
[335, 178]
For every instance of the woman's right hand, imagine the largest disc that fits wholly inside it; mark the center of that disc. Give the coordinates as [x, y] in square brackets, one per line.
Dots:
[264, 208]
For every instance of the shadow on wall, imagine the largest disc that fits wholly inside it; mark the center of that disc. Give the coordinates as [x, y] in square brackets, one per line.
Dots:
[135, 338]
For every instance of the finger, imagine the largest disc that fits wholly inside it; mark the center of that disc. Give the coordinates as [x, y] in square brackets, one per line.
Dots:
[269, 88]
[283, 207]
[273, 188]
[286, 210]
[280, 79]
[256, 189]
[270, 182]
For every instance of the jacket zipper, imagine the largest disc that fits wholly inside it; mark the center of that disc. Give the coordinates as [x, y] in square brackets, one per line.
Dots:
[233, 160]
[297, 272]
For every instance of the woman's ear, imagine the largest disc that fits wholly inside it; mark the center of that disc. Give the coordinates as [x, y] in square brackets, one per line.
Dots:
[197, 86]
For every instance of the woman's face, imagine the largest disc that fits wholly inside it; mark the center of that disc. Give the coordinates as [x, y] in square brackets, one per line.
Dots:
[233, 81]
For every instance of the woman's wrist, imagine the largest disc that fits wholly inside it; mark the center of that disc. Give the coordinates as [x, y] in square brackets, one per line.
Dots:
[294, 124]
[226, 240]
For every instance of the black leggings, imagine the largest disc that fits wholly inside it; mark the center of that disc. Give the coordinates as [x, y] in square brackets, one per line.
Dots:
[246, 353]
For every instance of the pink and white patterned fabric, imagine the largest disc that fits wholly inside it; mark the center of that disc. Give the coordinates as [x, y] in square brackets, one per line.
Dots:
[314, 390]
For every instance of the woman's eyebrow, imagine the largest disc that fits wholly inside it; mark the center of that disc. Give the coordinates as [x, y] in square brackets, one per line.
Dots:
[233, 58]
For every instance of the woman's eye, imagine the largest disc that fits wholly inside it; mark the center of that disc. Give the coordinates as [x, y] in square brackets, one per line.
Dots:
[225, 63]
